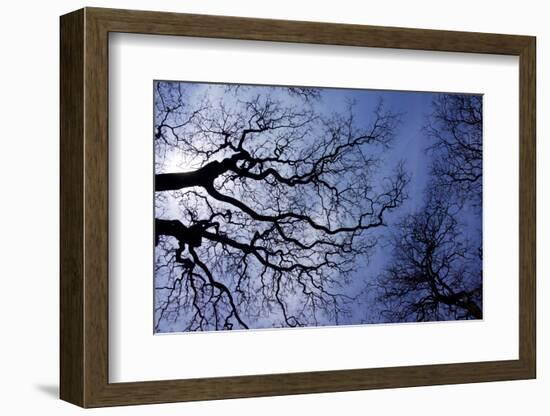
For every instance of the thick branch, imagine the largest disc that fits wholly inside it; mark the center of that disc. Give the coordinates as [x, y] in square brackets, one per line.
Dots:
[201, 177]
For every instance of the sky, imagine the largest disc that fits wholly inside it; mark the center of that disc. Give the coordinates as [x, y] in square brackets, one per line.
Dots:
[409, 146]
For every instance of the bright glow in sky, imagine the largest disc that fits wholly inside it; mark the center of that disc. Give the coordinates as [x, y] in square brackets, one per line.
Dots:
[408, 147]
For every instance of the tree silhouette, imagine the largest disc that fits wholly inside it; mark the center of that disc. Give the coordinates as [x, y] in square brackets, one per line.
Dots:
[264, 202]
[456, 130]
[435, 272]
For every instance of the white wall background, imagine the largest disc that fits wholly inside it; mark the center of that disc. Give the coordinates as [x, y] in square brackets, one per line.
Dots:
[29, 210]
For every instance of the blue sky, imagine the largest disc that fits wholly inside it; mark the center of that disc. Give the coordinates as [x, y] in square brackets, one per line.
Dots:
[409, 146]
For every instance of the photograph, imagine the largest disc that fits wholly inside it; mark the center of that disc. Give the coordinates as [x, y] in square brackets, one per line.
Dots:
[292, 206]
[329, 204]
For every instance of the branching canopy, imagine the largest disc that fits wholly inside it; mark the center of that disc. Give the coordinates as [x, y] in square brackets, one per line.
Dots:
[264, 202]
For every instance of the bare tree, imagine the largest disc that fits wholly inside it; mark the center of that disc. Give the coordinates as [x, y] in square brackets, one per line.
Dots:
[436, 268]
[456, 128]
[271, 203]
[435, 273]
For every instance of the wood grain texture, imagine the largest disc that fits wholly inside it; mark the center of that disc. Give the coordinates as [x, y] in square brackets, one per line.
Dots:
[527, 207]
[225, 27]
[84, 207]
[96, 208]
[72, 368]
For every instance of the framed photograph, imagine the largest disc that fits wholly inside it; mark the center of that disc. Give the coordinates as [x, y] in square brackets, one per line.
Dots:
[255, 207]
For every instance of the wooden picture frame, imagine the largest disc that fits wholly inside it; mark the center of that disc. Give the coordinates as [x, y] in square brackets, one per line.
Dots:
[84, 207]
